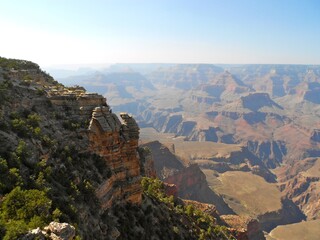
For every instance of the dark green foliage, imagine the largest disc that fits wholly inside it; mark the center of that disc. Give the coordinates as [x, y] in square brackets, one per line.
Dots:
[19, 126]
[22, 151]
[26, 124]
[9, 177]
[33, 120]
[24, 209]
[155, 188]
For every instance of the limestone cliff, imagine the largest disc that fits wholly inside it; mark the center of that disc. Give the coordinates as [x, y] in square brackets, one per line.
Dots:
[117, 143]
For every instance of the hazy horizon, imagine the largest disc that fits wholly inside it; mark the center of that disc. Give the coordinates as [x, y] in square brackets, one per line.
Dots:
[126, 31]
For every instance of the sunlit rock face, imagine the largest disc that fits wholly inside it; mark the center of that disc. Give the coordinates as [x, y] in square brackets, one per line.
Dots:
[117, 143]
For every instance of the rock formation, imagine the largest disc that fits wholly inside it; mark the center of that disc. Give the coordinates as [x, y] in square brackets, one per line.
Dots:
[255, 101]
[246, 227]
[191, 184]
[165, 162]
[117, 143]
[54, 231]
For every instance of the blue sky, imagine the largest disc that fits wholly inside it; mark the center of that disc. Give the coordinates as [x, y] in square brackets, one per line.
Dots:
[159, 31]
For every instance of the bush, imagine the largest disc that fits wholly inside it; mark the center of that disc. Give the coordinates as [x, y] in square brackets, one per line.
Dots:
[34, 120]
[20, 127]
[24, 209]
[26, 124]
[14, 230]
[47, 141]
[9, 177]
[22, 151]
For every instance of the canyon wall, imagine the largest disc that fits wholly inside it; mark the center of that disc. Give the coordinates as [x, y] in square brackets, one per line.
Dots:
[117, 143]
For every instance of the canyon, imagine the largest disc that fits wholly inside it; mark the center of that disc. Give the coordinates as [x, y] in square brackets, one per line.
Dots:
[84, 165]
[267, 117]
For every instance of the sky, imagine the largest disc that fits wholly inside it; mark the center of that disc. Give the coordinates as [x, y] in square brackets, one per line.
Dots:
[54, 32]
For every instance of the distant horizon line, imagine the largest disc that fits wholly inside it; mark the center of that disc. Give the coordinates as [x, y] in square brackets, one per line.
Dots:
[171, 63]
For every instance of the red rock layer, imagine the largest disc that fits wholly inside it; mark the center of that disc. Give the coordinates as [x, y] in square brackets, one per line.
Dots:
[117, 143]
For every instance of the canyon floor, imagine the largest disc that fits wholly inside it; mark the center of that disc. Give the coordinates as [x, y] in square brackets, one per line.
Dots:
[247, 194]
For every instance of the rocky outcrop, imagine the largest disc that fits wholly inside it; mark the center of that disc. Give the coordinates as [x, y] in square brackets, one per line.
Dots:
[117, 143]
[80, 105]
[60, 231]
[205, 207]
[246, 228]
[54, 231]
[191, 184]
[165, 162]
[170, 189]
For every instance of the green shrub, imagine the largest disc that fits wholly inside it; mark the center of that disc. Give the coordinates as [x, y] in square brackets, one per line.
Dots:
[24, 209]
[47, 141]
[190, 210]
[22, 151]
[26, 124]
[9, 177]
[14, 229]
[20, 127]
[34, 120]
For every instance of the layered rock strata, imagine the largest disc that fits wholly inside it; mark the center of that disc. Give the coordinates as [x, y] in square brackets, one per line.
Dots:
[80, 105]
[117, 143]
